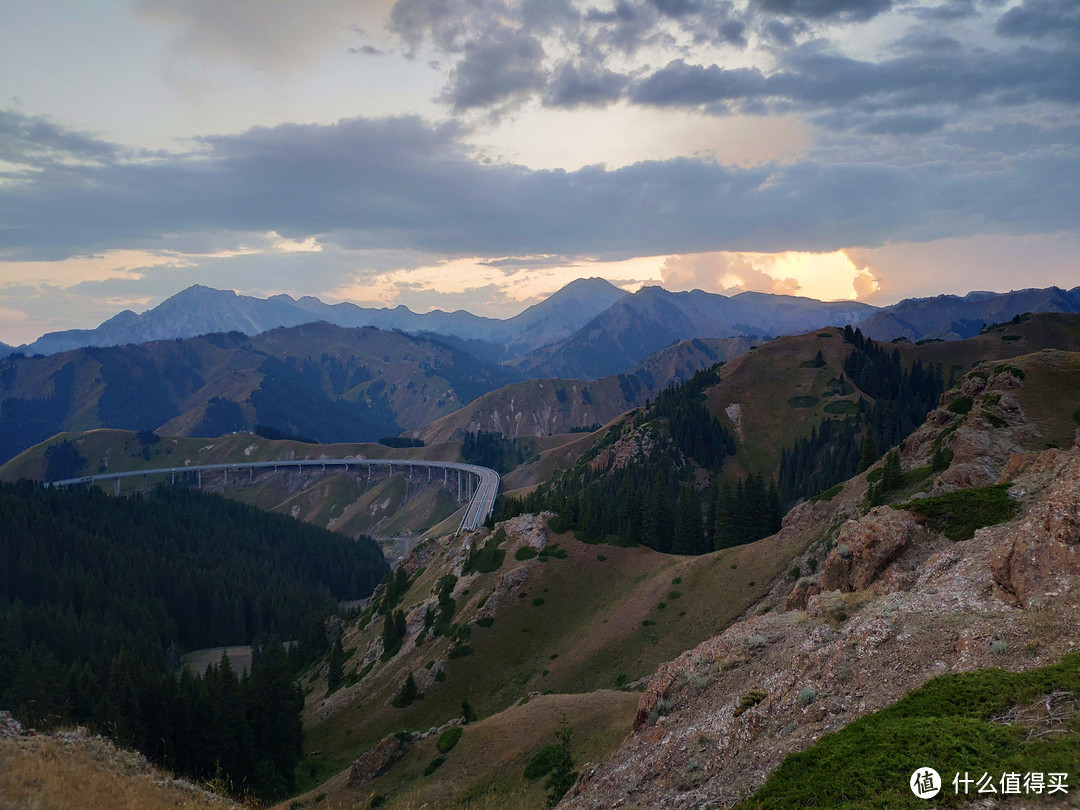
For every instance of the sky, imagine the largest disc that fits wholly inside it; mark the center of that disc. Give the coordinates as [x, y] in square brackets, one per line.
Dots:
[480, 154]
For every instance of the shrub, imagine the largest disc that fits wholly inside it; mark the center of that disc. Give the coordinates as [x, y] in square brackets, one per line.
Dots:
[448, 739]
[807, 696]
[434, 765]
[756, 642]
[460, 651]
[803, 402]
[486, 621]
[749, 700]
[958, 514]
[525, 553]
[488, 558]
[543, 761]
[960, 405]
[828, 494]
[538, 601]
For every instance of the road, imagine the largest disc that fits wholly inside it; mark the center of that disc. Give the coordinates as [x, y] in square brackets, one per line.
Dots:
[480, 505]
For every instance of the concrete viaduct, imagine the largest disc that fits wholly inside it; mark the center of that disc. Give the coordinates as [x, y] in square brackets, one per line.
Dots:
[478, 485]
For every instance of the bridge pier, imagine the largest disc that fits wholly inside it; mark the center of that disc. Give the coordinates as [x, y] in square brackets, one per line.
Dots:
[117, 485]
[199, 474]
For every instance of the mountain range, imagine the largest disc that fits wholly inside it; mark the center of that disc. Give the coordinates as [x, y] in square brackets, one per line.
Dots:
[315, 380]
[952, 317]
[588, 329]
[201, 310]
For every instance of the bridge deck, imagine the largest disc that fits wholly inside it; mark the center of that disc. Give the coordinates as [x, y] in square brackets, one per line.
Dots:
[480, 505]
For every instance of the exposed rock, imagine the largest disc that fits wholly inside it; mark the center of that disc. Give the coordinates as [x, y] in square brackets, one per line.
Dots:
[864, 548]
[530, 530]
[1039, 560]
[804, 589]
[377, 761]
[9, 726]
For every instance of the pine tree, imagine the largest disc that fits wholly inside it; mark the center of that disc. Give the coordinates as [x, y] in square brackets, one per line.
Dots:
[407, 694]
[688, 534]
[561, 777]
[869, 452]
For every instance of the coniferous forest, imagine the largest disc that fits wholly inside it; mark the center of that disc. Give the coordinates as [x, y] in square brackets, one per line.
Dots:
[99, 597]
[837, 449]
[654, 503]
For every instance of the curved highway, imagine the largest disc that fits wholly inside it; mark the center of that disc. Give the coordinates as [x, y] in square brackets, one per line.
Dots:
[481, 500]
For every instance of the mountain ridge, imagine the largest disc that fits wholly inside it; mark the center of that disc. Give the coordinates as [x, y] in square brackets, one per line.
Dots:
[199, 310]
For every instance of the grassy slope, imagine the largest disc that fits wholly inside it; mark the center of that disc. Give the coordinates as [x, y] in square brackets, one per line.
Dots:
[588, 634]
[766, 379]
[48, 773]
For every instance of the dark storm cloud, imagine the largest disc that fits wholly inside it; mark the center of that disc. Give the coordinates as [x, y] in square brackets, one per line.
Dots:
[828, 10]
[1036, 19]
[402, 184]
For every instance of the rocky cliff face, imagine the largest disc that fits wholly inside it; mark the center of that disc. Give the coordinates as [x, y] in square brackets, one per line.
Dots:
[889, 603]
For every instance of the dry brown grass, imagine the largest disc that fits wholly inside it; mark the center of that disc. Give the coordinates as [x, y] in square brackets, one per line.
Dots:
[47, 773]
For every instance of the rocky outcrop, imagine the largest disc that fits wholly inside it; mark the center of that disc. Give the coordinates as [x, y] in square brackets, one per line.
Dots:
[866, 547]
[377, 761]
[1042, 558]
[800, 595]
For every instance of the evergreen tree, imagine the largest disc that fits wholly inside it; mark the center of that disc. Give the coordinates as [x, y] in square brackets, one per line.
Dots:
[407, 694]
[689, 535]
[562, 776]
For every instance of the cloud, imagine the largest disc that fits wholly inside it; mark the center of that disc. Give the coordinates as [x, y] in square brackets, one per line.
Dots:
[279, 37]
[723, 272]
[810, 79]
[948, 11]
[496, 71]
[403, 184]
[1038, 19]
[41, 141]
[833, 10]
[865, 284]
[580, 85]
